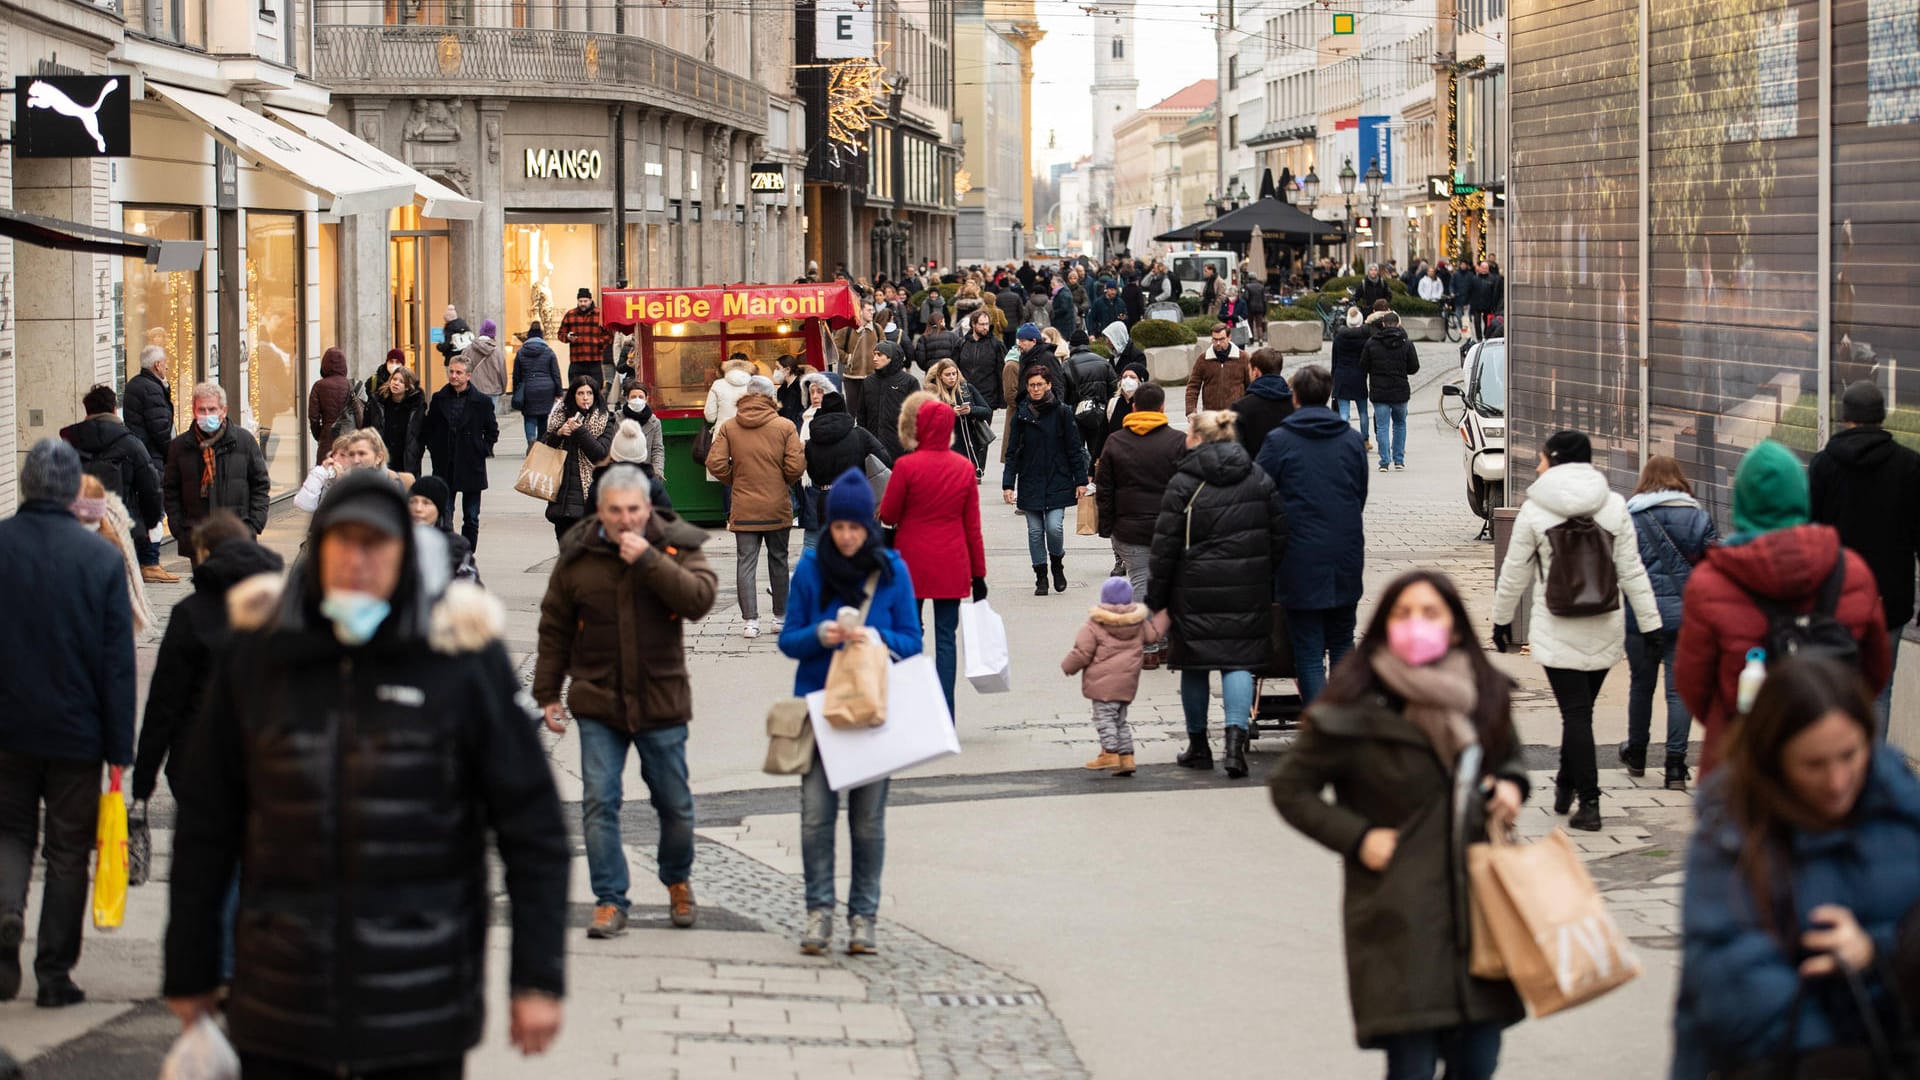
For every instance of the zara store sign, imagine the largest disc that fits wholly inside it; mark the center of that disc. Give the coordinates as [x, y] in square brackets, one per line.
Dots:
[552, 163]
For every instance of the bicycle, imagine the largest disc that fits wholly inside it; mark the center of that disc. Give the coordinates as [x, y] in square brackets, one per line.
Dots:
[1333, 318]
[1452, 318]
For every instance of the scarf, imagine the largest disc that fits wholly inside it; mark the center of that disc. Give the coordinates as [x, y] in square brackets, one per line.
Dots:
[1140, 422]
[645, 414]
[1438, 698]
[846, 578]
[206, 456]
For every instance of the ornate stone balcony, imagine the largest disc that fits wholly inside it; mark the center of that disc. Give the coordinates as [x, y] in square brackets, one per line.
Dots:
[472, 61]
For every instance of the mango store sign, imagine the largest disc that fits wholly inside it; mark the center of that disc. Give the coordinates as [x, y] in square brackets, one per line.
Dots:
[550, 163]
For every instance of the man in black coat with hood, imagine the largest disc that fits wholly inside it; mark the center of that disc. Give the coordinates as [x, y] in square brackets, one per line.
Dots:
[110, 451]
[1390, 361]
[380, 733]
[835, 444]
[887, 388]
[1867, 486]
[1268, 400]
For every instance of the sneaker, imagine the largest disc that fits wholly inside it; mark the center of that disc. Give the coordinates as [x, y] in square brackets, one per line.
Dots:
[680, 901]
[12, 929]
[1383, 468]
[751, 630]
[157, 575]
[819, 932]
[778, 622]
[608, 922]
[1397, 467]
[860, 936]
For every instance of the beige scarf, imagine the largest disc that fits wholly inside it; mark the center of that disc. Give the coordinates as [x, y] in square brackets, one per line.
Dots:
[1440, 697]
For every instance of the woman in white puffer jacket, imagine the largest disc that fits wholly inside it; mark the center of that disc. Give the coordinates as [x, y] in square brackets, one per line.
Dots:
[1577, 651]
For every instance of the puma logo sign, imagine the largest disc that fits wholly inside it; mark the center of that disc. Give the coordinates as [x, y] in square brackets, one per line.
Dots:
[42, 95]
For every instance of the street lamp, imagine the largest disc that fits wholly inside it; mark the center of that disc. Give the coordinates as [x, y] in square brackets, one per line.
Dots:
[1017, 226]
[1347, 177]
[1310, 185]
[1293, 193]
[1213, 207]
[1376, 180]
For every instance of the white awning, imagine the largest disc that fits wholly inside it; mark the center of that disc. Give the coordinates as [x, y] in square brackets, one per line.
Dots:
[353, 187]
[437, 199]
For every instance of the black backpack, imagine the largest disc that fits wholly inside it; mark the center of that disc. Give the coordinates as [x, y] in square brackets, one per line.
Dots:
[1813, 634]
[1583, 579]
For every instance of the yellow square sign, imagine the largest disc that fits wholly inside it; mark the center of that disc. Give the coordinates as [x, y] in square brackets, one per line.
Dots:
[1343, 22]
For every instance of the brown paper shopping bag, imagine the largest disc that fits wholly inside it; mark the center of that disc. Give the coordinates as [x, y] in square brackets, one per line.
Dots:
[857, 684]
[540, 473]
[1557, 942]
[1484, 961]
[1087, 517]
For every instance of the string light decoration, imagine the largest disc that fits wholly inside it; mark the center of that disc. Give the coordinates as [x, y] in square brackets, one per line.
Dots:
[855, 89]
[253, 345]
[178, 339]
[1456, 203]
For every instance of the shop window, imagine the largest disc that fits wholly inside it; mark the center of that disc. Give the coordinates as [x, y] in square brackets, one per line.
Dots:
[183, 22]
[273, 383]
[329, 299]
[547, 264]
[164, 309]
[687, 363]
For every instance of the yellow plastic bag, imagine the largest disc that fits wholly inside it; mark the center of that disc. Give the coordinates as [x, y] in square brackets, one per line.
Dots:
[110, 865]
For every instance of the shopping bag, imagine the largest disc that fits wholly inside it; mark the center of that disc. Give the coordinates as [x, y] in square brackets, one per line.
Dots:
[984, 636]
[877, 476]
[789, 739]
[201, 1053]
[1547, 920]
[540, 473]
[1087, 519]
[1483, 960]
[856, 691]
[110, 862]
[139, 845]
[919, 729]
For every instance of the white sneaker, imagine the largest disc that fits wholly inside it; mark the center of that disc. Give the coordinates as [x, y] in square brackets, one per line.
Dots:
[778, 622]
[752, 629]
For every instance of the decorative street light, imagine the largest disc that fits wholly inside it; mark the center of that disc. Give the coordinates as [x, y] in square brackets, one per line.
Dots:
[1293, 193]
[1347, 178]
[1017, 226]
[1213, 207]
[1310, 186]
[1375, 181]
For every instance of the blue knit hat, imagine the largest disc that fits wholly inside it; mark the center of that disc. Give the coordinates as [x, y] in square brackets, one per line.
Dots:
[1027, 332]
[851, 499]
[1117, 591]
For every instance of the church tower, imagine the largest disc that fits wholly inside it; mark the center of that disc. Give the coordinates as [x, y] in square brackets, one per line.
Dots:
[1115, 90]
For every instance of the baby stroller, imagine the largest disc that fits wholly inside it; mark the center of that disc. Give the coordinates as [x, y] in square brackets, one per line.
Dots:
[1274, 712]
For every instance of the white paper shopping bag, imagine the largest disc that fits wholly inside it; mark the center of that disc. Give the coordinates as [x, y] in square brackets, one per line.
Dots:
[984, 636]
[918, 729]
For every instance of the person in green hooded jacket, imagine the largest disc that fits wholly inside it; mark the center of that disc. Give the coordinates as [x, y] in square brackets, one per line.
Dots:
[1776, 557]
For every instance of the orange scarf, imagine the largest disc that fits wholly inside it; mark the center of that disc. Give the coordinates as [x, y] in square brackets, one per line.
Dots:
[1142, 422]
[206, 457]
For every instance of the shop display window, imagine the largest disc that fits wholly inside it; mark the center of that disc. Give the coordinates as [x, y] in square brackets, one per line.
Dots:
[546, 266]
[273, 381]
[164, 309]
[687, 356]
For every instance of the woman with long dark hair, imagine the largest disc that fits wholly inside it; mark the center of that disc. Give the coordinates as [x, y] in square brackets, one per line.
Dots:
[398, 413]
[579, 424]
[1047, 470]
[1413, 714]
[1805, 859]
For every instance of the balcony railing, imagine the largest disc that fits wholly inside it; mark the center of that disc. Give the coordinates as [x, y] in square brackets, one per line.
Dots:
[402, 60]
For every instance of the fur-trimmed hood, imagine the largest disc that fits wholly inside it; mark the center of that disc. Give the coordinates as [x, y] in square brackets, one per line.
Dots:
[1132, 615]
[465, 618]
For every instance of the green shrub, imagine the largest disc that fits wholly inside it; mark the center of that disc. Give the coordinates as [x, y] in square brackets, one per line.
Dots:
[1796, 428]
[948, 291]
[1397, 287]
[1159, 333]
[1189, 304]
[1201, 325]
[1339, 285]
[1298, 312]
[1099, 345]
[1413, 305]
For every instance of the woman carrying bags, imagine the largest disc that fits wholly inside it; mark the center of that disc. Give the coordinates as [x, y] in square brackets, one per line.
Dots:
[579, 425]
[850, 568]
[1804, 864]
[1411, 716]
[973, 423]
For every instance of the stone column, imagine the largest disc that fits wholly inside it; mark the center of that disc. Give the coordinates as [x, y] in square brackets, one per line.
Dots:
[489, 229]
[366, 294]
[686, 255]
[719, 198]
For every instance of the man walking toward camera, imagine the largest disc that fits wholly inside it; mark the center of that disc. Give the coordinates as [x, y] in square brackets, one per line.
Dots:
[628, 580]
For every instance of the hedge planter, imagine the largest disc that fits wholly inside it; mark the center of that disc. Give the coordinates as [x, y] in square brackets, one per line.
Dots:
[1294, 337]
[1170, 364]
[1424, 327]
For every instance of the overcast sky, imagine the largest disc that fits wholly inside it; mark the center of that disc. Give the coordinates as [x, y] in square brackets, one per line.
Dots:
[1174, 47]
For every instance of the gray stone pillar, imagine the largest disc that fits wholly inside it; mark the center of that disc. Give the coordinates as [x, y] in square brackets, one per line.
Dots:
[489, 229]
[366, 294]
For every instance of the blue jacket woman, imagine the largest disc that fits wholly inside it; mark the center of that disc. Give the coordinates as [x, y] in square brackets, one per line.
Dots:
[1836, 859]
[832, 576]
[1674, 534]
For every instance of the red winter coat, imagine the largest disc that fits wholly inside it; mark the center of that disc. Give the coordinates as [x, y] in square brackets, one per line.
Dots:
[1719, 622]
[933, 500]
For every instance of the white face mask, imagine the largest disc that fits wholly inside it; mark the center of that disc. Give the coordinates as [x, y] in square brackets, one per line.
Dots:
[1129, 385]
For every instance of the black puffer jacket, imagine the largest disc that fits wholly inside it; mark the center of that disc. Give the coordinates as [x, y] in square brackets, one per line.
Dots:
[1221, 531]
[886, 390]
[354, 789]
[148, 407]
[195, 630]
[979, 360]
[1868, 486]
[1092, 378]
[934, 347]
[399, 424]
[114, 454]
[1046, 458]
[835, 445]
[1390, 361]
[1349, 363]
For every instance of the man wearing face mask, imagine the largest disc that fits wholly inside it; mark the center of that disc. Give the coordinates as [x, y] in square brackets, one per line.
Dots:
[213, 465]
[639, 409]
[381, 730]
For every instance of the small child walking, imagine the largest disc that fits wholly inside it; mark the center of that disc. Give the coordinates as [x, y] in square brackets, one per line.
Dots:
[1108, 653]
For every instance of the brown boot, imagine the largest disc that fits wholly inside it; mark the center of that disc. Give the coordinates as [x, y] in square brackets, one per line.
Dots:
[680, 900]
[1104, 761]
[1126, 766]
[608, 922]
[157, 575]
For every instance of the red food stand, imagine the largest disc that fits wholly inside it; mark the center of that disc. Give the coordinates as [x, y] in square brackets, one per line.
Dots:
[681, 337]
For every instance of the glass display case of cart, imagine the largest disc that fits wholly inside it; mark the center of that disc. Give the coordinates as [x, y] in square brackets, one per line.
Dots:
[682, 336]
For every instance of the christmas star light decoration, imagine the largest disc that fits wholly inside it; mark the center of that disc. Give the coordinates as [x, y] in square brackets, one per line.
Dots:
[856, 90]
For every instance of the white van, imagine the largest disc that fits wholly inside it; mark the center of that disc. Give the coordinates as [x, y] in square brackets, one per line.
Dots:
[1188, 263]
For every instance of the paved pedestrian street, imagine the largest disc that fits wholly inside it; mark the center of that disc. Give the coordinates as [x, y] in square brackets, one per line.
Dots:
[1037, 920]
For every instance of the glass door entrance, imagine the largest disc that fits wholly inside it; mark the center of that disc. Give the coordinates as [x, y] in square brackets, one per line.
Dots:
[417, 266]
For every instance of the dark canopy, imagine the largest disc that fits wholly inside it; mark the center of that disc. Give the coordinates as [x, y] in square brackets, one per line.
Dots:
[1276, 220]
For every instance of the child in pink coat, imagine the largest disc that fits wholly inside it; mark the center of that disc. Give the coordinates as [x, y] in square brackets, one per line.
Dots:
[1108, 653]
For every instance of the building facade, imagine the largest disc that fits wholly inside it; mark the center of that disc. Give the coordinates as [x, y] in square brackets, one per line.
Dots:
[1154, 175]
[995, 39]
[1116, 94]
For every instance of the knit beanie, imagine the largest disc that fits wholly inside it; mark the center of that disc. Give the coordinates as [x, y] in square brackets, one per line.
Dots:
[760, 384]
[630, 444]
[832, 403]
[1770, 491]
[1027, 332]
[397, 356]
[1117, 591]
[434, 490]
[851, 499]
[488, 328]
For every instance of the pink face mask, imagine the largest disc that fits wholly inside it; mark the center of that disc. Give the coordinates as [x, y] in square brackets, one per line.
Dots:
[1419, 641]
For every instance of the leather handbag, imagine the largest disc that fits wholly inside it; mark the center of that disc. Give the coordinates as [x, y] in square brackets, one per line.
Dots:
[1884, 1055]
[789, 738]
[702, 445]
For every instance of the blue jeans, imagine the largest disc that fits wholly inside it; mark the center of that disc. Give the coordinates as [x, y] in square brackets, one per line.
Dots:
[1322, 637]
[1470, 1052]
[1643, 668]
[1236, 693]
[149, 550]
[1360, 409]
[1045, 533]
[536, 427]
[866, 823]
[946, 626]
[1884, 703]
[1398, 415]
[663, 767]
